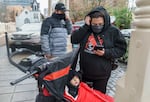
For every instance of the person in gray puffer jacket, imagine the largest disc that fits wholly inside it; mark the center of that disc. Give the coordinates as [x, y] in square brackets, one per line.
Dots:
[54, 32]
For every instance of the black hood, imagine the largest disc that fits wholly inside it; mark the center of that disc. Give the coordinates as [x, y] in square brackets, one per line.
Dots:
[106, 16]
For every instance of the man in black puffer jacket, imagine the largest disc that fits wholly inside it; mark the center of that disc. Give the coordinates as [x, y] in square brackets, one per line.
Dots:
[54, 32]
[100, 42]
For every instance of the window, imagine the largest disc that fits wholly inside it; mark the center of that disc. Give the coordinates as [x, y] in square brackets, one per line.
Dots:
[35, 16]
[26, 12]
[26, 21]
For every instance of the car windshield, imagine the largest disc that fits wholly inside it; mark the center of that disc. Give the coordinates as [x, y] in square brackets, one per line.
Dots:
[31, 27]
[80, 22]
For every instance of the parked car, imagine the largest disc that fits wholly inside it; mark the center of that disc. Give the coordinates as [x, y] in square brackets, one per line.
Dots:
[28, 37]
[77, 25]
[127, 34]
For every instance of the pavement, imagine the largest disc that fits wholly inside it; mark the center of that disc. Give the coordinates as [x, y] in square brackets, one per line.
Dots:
[2, 39]
[115, 75]
[26, 90]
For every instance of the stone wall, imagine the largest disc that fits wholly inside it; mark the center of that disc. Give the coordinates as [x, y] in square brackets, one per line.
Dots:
[134, 86]
[7, 27]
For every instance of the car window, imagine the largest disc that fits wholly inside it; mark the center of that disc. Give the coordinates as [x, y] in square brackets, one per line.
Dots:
[80, 22]
[31, 27]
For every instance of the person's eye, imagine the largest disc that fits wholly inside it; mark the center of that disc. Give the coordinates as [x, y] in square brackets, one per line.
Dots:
[100, 24]
[97, 24]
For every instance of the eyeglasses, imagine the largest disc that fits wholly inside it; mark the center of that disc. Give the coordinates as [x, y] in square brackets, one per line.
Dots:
[100, 24]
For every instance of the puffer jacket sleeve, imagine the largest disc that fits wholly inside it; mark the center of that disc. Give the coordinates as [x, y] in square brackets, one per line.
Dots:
[46, 28]
[119, 48]
[68, 26]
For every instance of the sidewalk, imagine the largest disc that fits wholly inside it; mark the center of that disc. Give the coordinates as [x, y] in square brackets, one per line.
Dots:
[2, 39]
[26, 91]
[115, 75]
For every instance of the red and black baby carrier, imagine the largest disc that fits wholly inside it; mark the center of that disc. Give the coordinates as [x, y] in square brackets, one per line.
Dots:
[52, 83]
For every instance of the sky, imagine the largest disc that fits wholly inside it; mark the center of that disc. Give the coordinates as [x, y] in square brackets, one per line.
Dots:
[44, 4]
[132, 3]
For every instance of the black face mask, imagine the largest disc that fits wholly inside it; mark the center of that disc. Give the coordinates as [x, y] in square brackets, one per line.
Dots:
[97, 29]
[60, 16]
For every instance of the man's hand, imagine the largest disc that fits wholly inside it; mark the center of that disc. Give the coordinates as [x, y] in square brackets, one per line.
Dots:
[48, 56]
[87, 20]
[99, 52]
[67, 16]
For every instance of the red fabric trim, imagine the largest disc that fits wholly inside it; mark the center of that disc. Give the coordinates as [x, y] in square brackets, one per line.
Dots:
[68, 97]
[45, 92]
[58, 74]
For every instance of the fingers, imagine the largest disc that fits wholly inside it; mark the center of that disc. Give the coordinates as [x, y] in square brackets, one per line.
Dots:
[99, 52]
[67, 16]
[47, 56]
[87, 20]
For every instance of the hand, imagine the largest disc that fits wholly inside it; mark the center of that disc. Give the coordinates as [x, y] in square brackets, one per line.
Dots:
[99, 52]
[87, 20]
[48, 56]
[67, 17]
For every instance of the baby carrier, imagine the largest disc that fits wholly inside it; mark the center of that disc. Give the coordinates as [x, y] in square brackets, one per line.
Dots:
[52, 77]
[52, 81]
